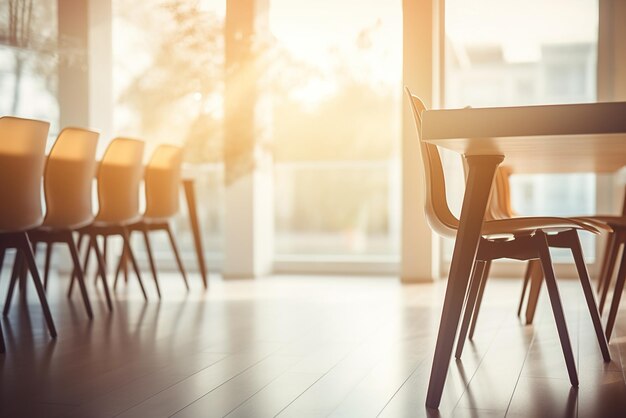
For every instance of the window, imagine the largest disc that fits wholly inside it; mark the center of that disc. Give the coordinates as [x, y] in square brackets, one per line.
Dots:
[29, 54]
[168, 85]
[504, 53]
[337, 110]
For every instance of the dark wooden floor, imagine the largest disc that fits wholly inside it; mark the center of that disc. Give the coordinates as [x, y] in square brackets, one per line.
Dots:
[297, 347]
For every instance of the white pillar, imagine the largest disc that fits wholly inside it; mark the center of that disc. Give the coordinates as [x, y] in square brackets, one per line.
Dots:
[249, 212]
[86, 65]
[421, 73]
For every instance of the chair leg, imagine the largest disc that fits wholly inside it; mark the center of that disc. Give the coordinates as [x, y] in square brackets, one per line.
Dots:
[122, 259]
[105, 252]
[46, 271]
[577, 253]
[29, 255]
[617, 295]
[85, 262]
[479, 301]
[557, 307]
[101, 272]
[536, 279]
[475, 281]
[146, 239]
[529, 268]
[24, 272]
[69, 239]
[608, 276]
[133, 261]
[177, 255]
[605, 261]
[18, 263]
[2, 346]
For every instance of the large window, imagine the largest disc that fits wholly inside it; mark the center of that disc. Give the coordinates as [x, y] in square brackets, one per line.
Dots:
[168, 85]
[505, 53]
[29, 53]
[337, 110]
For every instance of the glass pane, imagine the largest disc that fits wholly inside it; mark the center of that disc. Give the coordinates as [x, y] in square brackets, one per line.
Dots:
[337, 109]
[29, 56]
[505, 53]
[168, 83]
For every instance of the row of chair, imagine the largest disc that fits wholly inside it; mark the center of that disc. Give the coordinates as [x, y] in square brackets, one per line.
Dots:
[68, 173]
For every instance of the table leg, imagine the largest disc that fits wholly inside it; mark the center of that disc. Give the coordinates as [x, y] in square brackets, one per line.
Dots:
[190, 196]
[479, 181]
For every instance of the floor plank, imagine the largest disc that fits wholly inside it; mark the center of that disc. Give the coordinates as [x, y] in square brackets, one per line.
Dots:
[294, 346]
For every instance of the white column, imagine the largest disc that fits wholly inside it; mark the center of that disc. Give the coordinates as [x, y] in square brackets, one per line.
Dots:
[421, 73]
[86, 65]
[249, 211]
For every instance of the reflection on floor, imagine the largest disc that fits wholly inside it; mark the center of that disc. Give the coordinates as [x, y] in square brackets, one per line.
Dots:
[298, 347]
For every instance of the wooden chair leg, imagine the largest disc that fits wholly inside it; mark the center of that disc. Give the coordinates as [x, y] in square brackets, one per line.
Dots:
[133, 261]
[46, 268]
[69, 239]
[557, 307]
[2, 253]
[18, 263]
[617, 295]
[529, 268]
[577, 253]
[179, 261]
[85, 262]
[469, 306]
[105, 252]
[29, 256]
[102, 272]
[605, 261]
[610, 267]
[2, 346]
[24, 272]
[479, 301]
[536, 279]
[118, 270]
[146, 239]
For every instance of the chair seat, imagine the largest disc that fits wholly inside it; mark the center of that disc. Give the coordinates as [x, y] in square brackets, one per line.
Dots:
[610, 220]
[531, 224]
[50, 225]
[103, 222]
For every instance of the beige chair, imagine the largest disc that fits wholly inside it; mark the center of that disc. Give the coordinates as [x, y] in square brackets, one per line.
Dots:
[68, 179]
[162, 186]
[522, 238]
[119, 177]
[22, 158]
[500, 207]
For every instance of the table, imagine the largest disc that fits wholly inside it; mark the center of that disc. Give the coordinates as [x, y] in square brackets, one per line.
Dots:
[528, 139]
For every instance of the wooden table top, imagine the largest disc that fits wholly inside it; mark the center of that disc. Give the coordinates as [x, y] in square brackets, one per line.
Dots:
[587, 137]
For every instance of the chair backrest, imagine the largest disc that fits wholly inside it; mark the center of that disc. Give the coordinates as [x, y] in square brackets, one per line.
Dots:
[438, 214]
[22, 157]
[162, 180]
[119, 177]
[503, 192]
[68, 179]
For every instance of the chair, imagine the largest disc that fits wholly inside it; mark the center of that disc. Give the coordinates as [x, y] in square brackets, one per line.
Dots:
[523, 238]
[162, 186]
[68, 179]
[500, 208]
[22, 157]
[119, 177]
[614, 225]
